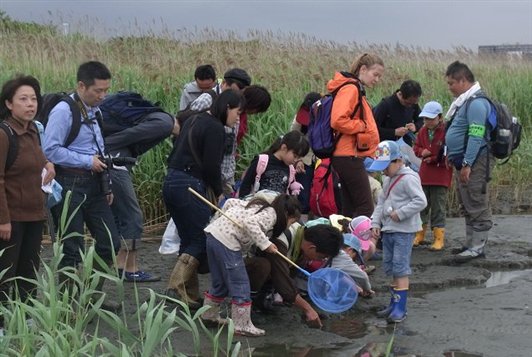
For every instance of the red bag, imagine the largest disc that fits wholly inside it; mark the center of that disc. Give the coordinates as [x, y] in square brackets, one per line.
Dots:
[325, 190]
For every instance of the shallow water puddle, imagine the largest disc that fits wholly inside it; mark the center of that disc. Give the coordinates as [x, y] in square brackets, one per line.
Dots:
[504, 277]
[342, 350]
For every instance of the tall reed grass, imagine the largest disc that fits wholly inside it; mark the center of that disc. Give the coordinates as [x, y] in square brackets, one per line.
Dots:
[288, 65]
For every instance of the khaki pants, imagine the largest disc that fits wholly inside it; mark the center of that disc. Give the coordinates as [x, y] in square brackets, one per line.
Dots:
[474, 195]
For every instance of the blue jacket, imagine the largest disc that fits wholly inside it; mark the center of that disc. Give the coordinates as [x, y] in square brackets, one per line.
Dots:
[466, 136]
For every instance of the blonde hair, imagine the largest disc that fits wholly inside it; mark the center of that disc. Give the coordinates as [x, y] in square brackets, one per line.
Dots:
[368, 60]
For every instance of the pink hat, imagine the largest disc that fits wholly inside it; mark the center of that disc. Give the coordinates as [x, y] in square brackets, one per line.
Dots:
[361, 228]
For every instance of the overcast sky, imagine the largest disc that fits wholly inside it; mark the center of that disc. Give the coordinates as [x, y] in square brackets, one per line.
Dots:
[438, 24]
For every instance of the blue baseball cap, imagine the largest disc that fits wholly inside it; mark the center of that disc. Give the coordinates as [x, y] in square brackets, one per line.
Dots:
[387, 151]
[431, 110]
[353, 242]
[367, 164]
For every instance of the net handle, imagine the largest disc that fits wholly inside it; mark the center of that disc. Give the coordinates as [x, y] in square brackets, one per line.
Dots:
[215, 207]
[240, 226]
[292, 263]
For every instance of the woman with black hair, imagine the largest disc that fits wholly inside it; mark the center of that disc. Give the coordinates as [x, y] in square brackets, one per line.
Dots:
[195, 162]
[21, 198]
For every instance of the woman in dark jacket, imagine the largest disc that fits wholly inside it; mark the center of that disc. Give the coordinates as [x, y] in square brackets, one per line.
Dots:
[21, 198]
[196, 162]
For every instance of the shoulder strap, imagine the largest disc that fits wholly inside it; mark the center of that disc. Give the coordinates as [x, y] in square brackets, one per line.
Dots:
[191, 144]
[291, 177]
[12, 140]
[76, 120]
[261, 167]
[393, 184]
[359, 102]
[40, 130]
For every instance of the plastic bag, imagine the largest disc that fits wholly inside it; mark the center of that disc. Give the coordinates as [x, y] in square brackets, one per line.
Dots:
[171, 240]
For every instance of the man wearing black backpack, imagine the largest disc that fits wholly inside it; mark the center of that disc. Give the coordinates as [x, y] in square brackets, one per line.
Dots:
[468, 151]
[130, 142]
[81, 169]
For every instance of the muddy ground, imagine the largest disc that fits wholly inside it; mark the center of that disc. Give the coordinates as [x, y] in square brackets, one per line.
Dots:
[480, 308]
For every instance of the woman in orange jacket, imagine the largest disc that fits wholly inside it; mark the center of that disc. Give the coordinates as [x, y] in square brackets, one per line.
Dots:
[353, 120]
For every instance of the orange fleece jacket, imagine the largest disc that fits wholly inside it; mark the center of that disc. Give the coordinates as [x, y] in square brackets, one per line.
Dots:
[343, 106]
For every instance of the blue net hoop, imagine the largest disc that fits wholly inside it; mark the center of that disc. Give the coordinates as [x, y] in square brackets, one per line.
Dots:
[332, 290]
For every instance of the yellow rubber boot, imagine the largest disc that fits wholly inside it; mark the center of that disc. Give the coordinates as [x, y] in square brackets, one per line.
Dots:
[420, 236]
[438, 234]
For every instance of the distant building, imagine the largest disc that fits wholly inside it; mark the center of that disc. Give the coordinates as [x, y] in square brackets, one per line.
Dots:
[522, 51]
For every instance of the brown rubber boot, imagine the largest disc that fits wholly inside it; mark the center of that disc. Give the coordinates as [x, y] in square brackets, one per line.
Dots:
[184, 281]
[420, 236]
[438, 234]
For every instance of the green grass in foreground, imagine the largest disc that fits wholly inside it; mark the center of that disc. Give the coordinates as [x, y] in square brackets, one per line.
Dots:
[71, 322]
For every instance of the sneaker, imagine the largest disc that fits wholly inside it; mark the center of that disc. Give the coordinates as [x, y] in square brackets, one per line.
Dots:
[138, 276]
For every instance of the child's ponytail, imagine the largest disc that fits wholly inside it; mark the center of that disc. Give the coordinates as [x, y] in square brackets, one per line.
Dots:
[285, 206]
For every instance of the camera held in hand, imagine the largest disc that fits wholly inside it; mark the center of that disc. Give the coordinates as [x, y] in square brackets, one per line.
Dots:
[105, 176]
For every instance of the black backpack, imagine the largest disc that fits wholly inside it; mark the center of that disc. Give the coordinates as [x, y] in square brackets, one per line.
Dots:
[49, 101]
[12, 139]
[503, 130]
[124, 110]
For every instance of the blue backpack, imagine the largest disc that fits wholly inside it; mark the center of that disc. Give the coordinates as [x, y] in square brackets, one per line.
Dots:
[124, 110]
[322, 137]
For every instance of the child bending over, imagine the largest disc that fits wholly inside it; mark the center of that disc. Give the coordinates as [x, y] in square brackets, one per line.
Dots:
[226, 243]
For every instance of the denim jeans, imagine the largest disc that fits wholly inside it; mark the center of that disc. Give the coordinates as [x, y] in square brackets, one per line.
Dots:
[190, 214]
[228, 272]
[93, 210]
[125, 207]
[397, 250]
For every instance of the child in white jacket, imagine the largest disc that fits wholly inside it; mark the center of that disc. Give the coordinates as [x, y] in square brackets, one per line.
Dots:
[397, 217]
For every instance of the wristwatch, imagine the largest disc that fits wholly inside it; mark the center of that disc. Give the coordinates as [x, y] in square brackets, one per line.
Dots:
[465, 164]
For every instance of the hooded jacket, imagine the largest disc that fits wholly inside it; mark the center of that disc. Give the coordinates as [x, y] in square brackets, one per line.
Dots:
[406, 197]
[343, 106]
[435, 172]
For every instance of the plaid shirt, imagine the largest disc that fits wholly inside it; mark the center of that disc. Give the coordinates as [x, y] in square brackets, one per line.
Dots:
[204, 101]
[229, 159]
